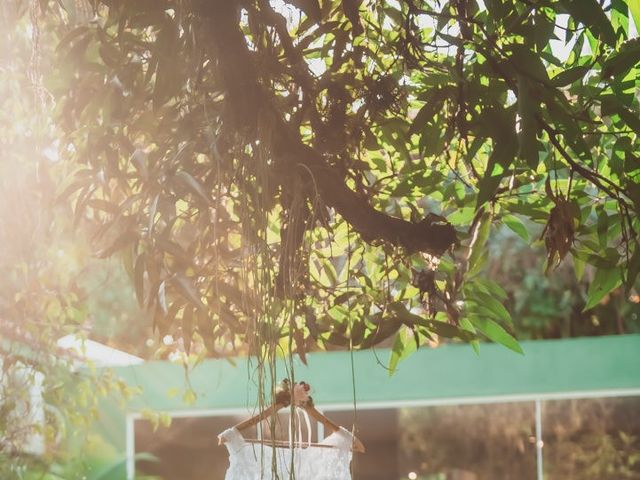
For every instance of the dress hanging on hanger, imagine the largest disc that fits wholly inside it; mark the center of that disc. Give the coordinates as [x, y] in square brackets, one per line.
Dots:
[330, 459]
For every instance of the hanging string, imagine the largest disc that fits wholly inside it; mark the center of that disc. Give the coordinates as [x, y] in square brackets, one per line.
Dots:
[353, 368]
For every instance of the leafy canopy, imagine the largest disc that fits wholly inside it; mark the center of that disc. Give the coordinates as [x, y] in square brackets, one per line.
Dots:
[309, 173]
[47, 403]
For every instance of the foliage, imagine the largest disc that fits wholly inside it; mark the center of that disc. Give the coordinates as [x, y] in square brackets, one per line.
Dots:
[553, 306]
[303, 174]
[469, 441]
[45, 400]
[601, 437]
[587, 439]
[95, 468]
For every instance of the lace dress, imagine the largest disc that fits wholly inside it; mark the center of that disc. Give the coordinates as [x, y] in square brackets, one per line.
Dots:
[249, 461]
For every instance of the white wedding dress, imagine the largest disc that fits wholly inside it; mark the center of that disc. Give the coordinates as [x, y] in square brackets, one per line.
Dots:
[249, 461]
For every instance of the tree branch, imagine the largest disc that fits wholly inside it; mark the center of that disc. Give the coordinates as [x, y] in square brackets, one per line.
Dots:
[247, 100]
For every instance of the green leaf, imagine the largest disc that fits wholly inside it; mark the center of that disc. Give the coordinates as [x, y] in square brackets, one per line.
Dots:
[168, 72]
[466, 324]
[404, 315]
[162, 298]
[495, 332]
[570, 75]
[604, 281]
[433, 104]
[403, 346]
[123, 240]
[602, 227]
[622, 60]
[487, 188]
[387, 328]
[501, 159]
[443, 329]
[461, 216]
[528, 63]
[544, 29]
[633, 268]
[167, 82]
[71, 36]
[476, 247]
[634, 8]
[559, 110]
[591, 14]
[446, 330]
[194, 185]
[153, 208]
[328, 274]
[516, 225]
[493, 306]
[344, 297]
[174, 249]
[611, 105]
[578, 267]
[188, 290]
[620, 17]
[490, 287]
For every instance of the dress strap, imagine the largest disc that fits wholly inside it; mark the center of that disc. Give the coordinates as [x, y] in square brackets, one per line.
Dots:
[232, 438]
[342, 439]
[307, 423]
[292, 440]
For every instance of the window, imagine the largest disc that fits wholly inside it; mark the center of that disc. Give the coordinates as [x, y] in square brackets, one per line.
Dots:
[592, 439]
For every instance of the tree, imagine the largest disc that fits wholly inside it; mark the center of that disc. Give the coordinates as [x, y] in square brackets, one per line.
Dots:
[46, 402]
[586, 438]
[302, 173]
[553, 306]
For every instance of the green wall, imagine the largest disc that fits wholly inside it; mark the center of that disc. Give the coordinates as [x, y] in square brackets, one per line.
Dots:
[591, 366]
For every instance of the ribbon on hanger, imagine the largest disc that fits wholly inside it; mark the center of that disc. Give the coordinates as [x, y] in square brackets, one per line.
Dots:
[300, 397]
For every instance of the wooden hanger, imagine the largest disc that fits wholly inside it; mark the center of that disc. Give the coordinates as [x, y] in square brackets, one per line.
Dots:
[283, 399]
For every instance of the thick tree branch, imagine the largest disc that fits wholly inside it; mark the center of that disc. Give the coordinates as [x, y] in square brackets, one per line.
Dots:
[247, 100]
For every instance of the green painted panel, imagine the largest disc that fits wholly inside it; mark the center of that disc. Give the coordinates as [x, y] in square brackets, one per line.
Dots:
[448, 373]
